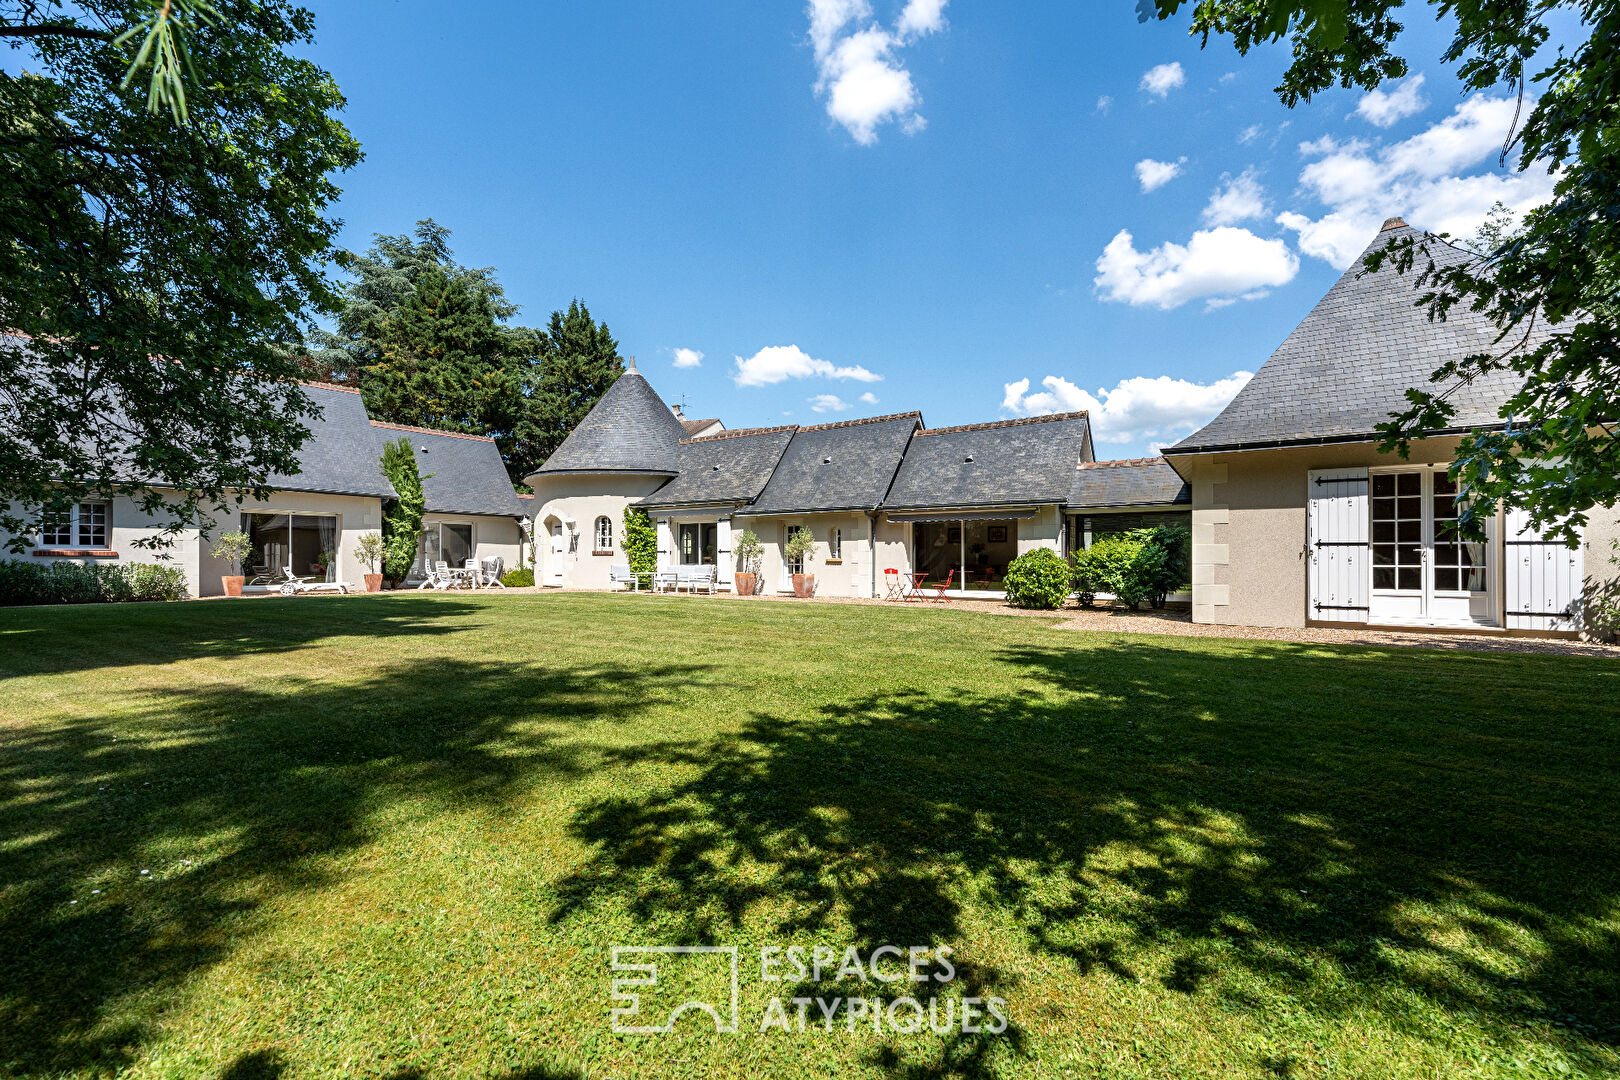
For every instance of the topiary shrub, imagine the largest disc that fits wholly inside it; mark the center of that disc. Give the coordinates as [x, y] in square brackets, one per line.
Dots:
[402, 523]
[1038, 579]
[521, 578]
[1128, 564]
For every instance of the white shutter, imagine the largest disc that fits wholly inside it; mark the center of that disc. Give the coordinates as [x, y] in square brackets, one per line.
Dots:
[1336, 545]
[1543, 578]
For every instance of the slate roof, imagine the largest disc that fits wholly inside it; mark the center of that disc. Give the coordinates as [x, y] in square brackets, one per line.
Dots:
[1130, 482]
[1347, 365]
[731, 467]
[461, 474]
[996, 464]
[341, 455]
[844, 466]
[629, 430]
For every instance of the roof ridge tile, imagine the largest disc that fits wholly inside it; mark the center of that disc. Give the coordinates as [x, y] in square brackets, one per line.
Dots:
[991, 425]
[863, 420]
[737, 432]
[1119, 463]
[430, 431]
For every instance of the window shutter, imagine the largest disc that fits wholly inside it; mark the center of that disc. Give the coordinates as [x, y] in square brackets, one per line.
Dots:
[1336, 545]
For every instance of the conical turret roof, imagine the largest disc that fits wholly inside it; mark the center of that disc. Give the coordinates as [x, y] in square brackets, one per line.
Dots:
[1348, 364]
[629, 430]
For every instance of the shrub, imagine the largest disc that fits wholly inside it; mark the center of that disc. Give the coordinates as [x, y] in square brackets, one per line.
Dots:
[233, 547]
[369, 549]
[1176, 572]
[1126, 564]
[521, 578]
[1038, 579]
[749, 550]
[71, 583]
[640, 541]
[402, 523]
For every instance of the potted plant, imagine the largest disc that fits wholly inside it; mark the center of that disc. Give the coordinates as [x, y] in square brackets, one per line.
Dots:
[369, 550]
[233, 547]
[750, 553]
[801, 548]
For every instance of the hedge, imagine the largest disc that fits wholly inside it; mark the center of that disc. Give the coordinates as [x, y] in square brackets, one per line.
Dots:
[99, 583]
[1037, 579]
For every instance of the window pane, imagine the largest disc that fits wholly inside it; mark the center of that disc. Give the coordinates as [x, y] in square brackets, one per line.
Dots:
[268, 536]
[1383, 578]
[1408, 556]
[1410, 532]
[1410, 580]
[689, 544]
[1410, 508]
[1444, 485]
[1445, 579]
[1447, 554]
[57, 530]
[1473, 579]
[457, 540]
[1384, 531]
[1383, 554]
[1383, 509]
[1383, 484]
[1410, 483]
[93, 524]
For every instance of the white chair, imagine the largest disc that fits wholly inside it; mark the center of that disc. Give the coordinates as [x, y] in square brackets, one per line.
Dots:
[701, 577]
[665, 580]
[491, 570]
[621, 577]
[472, 574]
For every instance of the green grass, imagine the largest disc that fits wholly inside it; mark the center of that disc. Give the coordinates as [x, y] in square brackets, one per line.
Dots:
[397, 836]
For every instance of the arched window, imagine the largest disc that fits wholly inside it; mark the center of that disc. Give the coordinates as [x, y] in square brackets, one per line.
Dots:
[604, 533]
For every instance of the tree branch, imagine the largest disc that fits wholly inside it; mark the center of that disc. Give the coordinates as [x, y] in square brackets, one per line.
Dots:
[72, 30]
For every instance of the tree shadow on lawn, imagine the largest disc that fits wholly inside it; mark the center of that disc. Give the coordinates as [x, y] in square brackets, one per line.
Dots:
[264, 786]
[51, 640]
[1351, 831]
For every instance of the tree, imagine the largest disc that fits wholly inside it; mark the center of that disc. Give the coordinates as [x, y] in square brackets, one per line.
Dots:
[1555, 452]
[158, 279]
[640, 543]
[579, 360]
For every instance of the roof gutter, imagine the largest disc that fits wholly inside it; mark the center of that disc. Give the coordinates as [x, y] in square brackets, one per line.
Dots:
[1319, 440]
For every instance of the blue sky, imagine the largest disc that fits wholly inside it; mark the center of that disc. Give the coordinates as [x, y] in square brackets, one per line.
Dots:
[867, 207]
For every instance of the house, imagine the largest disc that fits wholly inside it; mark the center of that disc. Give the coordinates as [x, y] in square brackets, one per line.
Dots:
[1299, 520]
[696, 429]
[886, 492]
[317, 515]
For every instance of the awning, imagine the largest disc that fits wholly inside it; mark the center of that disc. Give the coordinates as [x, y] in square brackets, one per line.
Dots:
[925, 516]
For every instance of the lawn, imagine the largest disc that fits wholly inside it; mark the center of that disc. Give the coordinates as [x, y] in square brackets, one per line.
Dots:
[398, 836]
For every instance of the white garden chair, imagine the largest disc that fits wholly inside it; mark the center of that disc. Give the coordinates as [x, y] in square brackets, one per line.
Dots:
[622, 578]
[667, 580]
[701, 577]
[491, 570]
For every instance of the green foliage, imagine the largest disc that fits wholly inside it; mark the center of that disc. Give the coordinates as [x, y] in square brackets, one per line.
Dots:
[749, 551]
[1038, 579]
[801, 548]
[1555, 452]
[402, 523]
[24, 582]
[163, 32]
[164, 274]
[521, 578]
[1175, 573]
[369, 549]
[233, 547]
[426, 340]
[1127, 564]
[640, 541]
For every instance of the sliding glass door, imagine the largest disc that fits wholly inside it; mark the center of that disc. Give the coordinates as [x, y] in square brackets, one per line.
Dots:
[442, 541]
[304, 543]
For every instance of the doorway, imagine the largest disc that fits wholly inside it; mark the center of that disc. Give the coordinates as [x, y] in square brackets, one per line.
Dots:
[1421, 570]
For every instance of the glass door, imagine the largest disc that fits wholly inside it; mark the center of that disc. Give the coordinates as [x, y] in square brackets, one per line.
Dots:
[1421, 571]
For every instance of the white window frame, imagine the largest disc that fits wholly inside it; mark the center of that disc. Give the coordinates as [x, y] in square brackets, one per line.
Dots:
[76, 524]
[835, 544]
[604, 533]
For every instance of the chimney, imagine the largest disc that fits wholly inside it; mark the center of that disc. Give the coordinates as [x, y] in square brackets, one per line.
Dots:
[1393, 223]
[676, 409]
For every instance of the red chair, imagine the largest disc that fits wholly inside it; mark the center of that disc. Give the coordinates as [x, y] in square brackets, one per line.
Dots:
[939, 590]
[895, 584]
[915, 592]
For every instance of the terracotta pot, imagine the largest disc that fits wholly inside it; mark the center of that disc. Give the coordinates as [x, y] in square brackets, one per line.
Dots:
[373, 582]
[746, 584]
[233, 585]
[804, 586]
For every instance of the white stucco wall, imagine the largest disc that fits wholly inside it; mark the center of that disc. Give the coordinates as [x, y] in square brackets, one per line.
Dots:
[850, 576]
[582, 499]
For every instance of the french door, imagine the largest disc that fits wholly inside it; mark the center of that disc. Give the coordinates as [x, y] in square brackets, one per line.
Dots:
[1421, 570]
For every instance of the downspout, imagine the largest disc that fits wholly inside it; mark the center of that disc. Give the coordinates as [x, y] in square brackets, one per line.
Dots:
[871, 542]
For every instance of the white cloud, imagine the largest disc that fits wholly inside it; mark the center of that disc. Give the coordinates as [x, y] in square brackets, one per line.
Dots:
[1251, 133]
[1105, 103]
[1163, 78]
[869, 398]
[1161, 409]
[1385, 109]
[778, 363]
[1153, 175]
[824, 403]
[921, 17]
[1359, 184]
[1239, 198]
[1228, 77]
[857, 71]
[688, 358]
[1217, 265]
